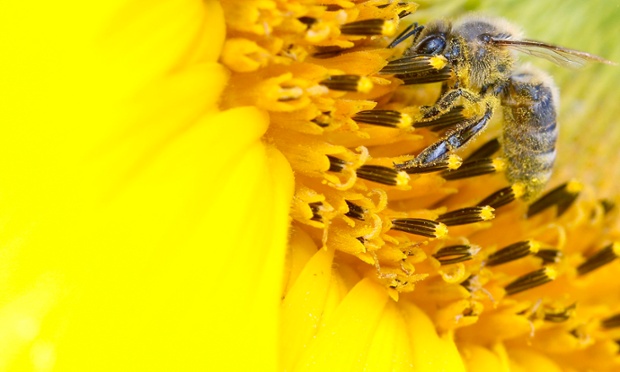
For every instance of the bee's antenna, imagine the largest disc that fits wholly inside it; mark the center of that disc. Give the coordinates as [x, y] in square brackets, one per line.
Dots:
[411, 30]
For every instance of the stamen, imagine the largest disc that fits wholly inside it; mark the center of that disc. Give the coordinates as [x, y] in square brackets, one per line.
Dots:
[418, 64]
[379, 174]
[335, 164]
[467, 282]
[288, 94]
[348, 83]
[473, 168]
[410, 32]
[452, 162]
[449, 119]
[419, 226]
[559, 316]
[549, 256]
[576, 333]
[355, 211]
[316, 211]
[425, 78]
[531, 280]
[600, 258]
[308, 21]
[608, 205]
[324, 52]
[323, 120]
[404, 13]
[455, 253]
[467, 215]
[562, 196]
[333, 7]
[502, 196]
[407, 8]
[611, 322]
[398, 283]
[473, 284]
[384, 118]
[486, 150]
[512, 252]
[369, 27]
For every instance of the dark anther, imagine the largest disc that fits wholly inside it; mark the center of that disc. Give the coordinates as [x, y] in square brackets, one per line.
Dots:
[611, 322]
[512, 252]
[419, 226]
[549, 256]
[355, 211]
[384, 118]
[600, 258]
[485, 151]
[348, 83]
[531, 280]
[470, 168]
[308, 21]
[323, 120]
[499, 198]
[559, 316]
[379, 174]
[454, 254]
[562, 196]
[328, 52]
[368, 27]
[335, 164]
[466, 215]
[316, 211]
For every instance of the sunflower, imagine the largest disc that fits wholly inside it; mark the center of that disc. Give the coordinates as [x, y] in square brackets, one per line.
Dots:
[209, 185]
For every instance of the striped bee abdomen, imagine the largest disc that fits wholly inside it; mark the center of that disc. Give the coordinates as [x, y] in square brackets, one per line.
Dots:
[530, 129]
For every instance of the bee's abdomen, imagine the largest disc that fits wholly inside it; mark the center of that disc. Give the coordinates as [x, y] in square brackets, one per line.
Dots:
[530, 129]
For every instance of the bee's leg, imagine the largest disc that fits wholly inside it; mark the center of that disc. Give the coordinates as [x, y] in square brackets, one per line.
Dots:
[453, 108]
[453, 140]
[446, 103]
[411, 30]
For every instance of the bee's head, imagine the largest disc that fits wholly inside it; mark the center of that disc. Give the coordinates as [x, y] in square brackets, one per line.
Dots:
[433, 40]
[467, 46]
[487, 63]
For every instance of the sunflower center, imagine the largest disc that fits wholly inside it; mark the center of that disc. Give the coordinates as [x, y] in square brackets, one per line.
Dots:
[452, 235]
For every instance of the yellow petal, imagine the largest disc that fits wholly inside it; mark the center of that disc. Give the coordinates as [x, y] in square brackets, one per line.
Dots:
[132, 210]
[527, 360]
[390, 348]
[478, 358]
[429, 351]
[303, 305]
[358, 314]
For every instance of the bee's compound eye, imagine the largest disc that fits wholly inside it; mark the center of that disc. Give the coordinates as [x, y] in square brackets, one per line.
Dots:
[485, 38]
[431, 45]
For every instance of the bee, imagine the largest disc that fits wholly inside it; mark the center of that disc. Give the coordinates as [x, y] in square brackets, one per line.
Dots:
[475, 59]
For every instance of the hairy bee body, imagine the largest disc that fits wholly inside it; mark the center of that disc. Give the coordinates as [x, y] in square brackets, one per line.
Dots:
[530, 129]
[480, 73]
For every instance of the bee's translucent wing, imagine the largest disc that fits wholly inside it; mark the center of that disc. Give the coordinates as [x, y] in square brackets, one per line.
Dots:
[562, 56]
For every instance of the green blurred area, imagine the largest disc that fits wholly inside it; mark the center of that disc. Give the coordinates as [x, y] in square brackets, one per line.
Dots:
[589, 146]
